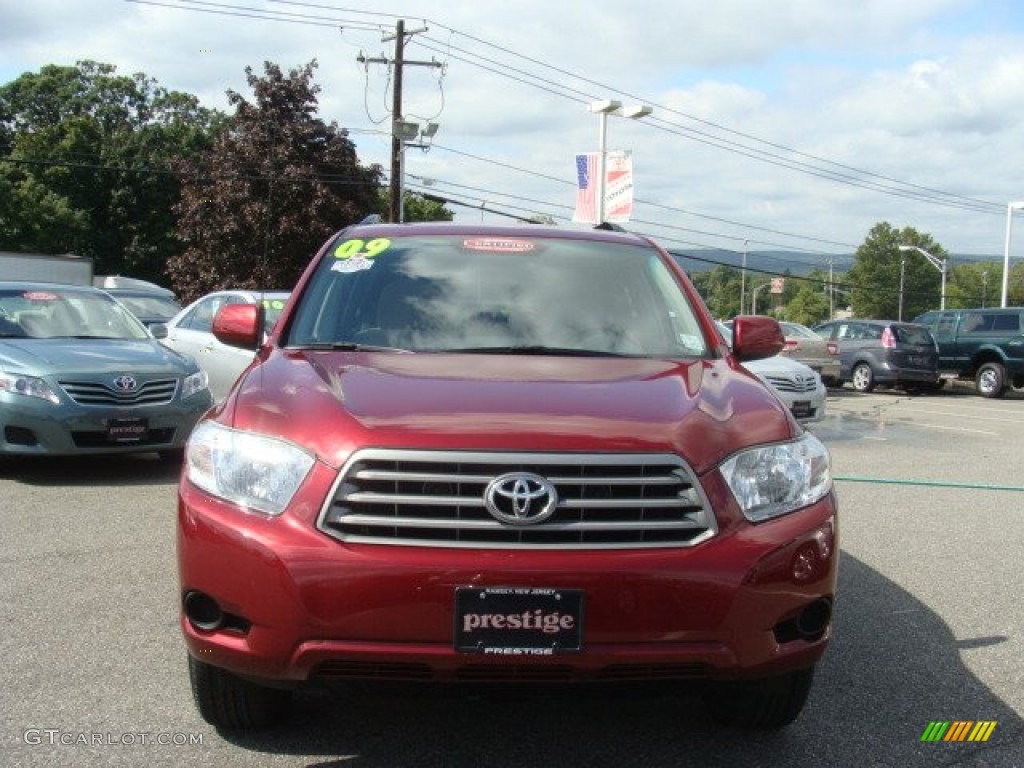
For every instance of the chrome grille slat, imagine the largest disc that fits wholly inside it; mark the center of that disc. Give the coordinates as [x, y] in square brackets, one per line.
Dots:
[157, 392]
[483, 525]
[436, 499]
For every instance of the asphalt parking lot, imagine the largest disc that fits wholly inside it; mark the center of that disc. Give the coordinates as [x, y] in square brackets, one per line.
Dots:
[928, 627]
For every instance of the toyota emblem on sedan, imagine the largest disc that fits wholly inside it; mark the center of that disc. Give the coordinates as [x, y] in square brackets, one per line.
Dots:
[125, 383]
[521, 498]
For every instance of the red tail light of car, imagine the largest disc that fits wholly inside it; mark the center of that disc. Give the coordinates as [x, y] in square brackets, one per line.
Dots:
[833, 348]
[888, 339]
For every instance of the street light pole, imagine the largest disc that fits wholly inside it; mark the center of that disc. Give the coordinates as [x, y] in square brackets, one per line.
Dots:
[903, 264]
[604, 108]
[743, 278]
[935, 261]
[1010, 208]
[753, 297]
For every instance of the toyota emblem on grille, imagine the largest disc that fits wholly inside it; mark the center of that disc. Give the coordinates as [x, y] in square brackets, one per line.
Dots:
[521, 498]
[125, 383]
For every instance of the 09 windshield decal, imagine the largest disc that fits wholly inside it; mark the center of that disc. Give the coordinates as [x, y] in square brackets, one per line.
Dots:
[357, 255]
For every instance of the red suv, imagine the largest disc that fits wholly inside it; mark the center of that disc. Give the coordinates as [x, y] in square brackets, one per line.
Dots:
[491, 454]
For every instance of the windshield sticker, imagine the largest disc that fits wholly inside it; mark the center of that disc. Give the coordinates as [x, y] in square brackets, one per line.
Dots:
[273, 303]
[357, 255]
[39, 296]
[501, 246]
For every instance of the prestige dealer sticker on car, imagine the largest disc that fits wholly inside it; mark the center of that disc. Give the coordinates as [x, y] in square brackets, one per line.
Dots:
[518, 621]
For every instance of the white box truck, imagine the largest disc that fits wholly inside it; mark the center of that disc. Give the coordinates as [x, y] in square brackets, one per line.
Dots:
[46, 268]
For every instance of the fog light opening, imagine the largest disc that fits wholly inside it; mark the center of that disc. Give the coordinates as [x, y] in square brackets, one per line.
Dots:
[814, 618]
[202, 611]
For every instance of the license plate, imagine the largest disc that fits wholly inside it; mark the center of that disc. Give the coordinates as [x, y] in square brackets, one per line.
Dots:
[802, 408]
[518, 621]
[127, 430]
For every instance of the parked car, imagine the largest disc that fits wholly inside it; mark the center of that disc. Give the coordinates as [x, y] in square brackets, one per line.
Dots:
[150, 303]
[807, 347]
[190, 332]
[983, 345]
[502, 454]
[797, 385]
[884, 352]
[79, 374]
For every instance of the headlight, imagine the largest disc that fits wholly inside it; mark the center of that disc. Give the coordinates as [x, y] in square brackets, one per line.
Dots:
[253, 471]
[30, 386]
[773, 480]
[194, 383]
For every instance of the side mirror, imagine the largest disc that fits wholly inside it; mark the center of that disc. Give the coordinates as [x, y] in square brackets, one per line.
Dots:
[239, 325]
[158, 330]
[755, 337]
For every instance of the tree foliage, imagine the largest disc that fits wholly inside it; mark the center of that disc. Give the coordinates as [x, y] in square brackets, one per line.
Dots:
[84, 163]
[256, 207]
[720, 289]
[881, 268]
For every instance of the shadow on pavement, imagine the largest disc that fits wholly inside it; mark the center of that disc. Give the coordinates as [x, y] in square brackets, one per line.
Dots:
[72, 471]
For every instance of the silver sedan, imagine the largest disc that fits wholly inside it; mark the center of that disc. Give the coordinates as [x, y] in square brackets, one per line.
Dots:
[190, 333]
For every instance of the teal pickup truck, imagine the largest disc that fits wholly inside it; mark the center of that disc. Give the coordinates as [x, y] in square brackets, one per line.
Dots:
[986, 345]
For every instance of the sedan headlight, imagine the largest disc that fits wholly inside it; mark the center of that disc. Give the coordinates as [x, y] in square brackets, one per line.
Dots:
[773, 480]
[254, 471]
[194, 383]
[30, 386]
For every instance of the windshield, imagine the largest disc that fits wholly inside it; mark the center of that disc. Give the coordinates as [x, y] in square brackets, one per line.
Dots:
[65, 313]
[159, 307]
[474, 293]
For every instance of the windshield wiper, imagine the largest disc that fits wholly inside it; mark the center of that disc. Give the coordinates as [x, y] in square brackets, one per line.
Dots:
[347, 346]
[535, 349]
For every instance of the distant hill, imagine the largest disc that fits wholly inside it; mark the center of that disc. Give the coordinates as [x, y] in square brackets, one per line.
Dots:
[798, 263]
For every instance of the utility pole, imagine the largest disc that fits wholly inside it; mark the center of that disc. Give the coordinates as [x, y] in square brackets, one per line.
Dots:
[397, 145]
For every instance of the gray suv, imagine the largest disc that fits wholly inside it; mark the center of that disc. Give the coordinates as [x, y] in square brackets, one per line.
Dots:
[884, 352]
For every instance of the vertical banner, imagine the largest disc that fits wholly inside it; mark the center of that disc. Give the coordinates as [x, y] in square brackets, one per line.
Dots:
[618, 186]
[587, 187]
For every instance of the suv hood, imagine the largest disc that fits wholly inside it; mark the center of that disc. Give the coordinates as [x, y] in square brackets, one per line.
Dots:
[333, 402]
[64, 357]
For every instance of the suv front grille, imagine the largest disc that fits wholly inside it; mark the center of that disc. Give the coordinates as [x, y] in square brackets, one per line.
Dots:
[436, 498]
[797, 383]
[158, 392]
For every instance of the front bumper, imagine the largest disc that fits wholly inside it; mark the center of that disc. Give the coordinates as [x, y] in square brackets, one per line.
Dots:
[299, 606]
[34, 427]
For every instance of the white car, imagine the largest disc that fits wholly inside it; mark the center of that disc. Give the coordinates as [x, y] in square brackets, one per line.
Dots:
[190, 333]
[798, 386]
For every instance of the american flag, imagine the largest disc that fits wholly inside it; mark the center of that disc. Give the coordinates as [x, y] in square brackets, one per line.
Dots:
[586, 188]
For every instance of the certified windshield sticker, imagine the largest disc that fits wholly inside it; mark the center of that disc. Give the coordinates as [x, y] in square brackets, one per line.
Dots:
[503, 245]
[357, 255]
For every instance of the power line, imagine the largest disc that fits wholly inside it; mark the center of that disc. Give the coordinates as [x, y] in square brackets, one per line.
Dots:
[870, 181]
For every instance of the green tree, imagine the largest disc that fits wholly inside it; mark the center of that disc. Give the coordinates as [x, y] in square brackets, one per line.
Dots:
[100, 145]
[34, 219]
[880, 268]
[808, 303]
[275, 185]
[720, 289]
[422, 208]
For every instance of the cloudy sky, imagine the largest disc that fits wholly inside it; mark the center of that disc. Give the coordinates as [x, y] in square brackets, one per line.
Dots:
[795, 124]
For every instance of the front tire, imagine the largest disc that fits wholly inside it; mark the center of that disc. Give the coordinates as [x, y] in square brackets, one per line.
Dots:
[991, 380]
[233, 704]
[766, 704]
[863, 378]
